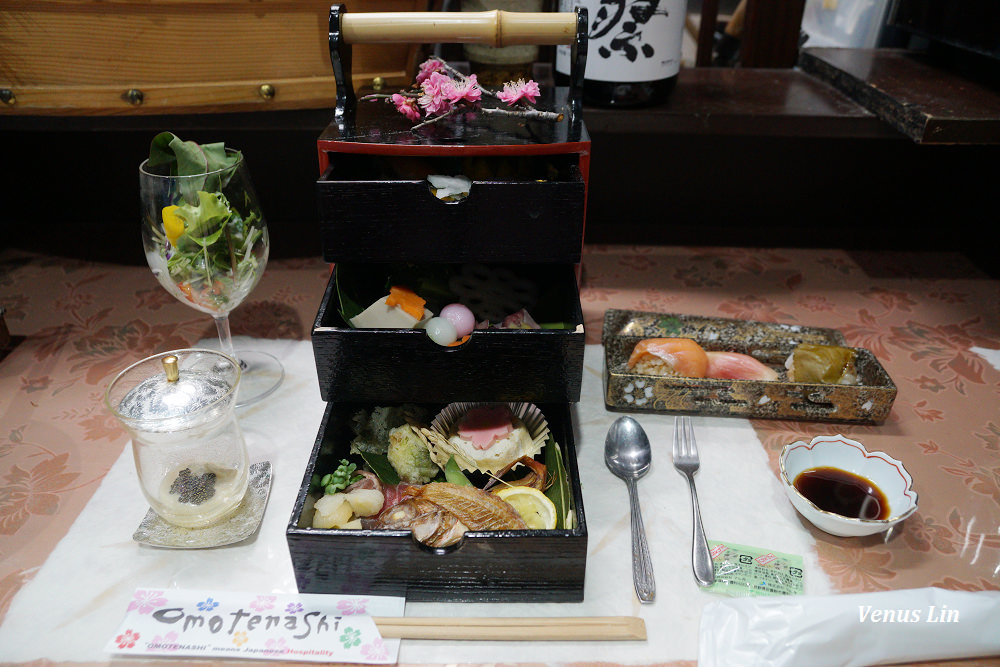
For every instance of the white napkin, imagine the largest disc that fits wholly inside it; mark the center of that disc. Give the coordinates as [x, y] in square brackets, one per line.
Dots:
[93, 571]
[851, 630]
[992, 357]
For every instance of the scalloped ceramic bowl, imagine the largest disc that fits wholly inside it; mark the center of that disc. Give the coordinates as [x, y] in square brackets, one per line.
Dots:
[836, 451]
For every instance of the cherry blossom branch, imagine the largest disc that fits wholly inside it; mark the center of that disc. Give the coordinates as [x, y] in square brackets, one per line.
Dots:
[440, 91]
[524, 113]
[486, 91]
[434, 119]
[389, 96]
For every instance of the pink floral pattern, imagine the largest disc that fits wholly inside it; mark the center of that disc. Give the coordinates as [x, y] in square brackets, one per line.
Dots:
[81, 322]
[146, 602]
[352, 607]
[127, 639]
[33, 492]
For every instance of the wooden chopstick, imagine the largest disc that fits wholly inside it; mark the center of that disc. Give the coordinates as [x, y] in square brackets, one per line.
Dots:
[602, 628]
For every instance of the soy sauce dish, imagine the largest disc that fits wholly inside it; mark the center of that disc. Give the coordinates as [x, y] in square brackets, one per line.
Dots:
[845, 490]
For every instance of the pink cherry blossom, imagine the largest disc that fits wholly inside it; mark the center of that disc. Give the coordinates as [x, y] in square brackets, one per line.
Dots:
[434, 99]
[375, 651]
[263, 602]
[427, 68]
[349, 607]
[146, 601]
[406, 106]
[464, 91]
[514, 92]
[127, 639]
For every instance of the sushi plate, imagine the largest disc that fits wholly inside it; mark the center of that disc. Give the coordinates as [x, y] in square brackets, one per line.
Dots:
[867, 402]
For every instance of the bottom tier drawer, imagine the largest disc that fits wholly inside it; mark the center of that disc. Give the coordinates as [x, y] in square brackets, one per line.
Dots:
[500, 566]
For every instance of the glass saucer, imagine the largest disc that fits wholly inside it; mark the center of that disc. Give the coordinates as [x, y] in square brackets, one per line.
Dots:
[262, 375]
[155, 532]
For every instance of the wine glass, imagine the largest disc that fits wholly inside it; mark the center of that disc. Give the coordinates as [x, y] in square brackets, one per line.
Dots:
[206, 241]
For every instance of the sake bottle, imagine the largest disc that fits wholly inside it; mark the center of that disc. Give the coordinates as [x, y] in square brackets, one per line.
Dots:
[634, 51]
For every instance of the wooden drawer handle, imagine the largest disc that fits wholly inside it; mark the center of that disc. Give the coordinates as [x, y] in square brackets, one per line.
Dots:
[493, 28]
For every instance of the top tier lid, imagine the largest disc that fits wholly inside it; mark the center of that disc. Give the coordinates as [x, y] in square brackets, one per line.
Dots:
[376, 127]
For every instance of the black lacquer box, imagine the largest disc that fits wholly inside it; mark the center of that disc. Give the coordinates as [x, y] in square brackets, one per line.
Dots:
[405, 365]
[512, 566]
[522, 207]
[524, 215]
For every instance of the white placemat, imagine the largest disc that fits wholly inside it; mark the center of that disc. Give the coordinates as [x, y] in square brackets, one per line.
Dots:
[80, 593]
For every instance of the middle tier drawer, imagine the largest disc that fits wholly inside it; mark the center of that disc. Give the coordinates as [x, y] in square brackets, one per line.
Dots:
[405, 365]
[518, 209]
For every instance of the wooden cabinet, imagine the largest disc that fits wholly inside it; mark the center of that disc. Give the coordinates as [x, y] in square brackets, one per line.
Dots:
[82, 57]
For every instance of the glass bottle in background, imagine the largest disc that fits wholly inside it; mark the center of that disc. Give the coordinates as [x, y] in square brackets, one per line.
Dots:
[634, 51]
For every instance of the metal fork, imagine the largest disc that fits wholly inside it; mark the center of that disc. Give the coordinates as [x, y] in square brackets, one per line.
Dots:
[685, 454]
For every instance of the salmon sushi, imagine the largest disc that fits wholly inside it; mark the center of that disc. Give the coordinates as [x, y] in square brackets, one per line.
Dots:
[736, 366]
[668, 356]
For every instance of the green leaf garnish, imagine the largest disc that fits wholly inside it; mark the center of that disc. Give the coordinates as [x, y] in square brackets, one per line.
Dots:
[379, 463]
[559, 491]
[349, 308]
[454, 474]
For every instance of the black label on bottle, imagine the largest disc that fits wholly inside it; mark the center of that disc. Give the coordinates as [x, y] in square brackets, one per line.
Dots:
[629, 40]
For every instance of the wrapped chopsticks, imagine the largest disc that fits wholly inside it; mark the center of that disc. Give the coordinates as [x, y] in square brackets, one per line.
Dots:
[603, 628]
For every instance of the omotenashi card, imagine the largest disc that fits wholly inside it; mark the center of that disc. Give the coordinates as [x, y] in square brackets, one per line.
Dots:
[318, 628]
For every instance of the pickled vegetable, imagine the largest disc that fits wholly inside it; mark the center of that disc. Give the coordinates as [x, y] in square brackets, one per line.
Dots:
[825, 364]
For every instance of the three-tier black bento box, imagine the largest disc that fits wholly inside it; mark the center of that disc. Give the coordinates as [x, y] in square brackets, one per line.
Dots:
[523, 216]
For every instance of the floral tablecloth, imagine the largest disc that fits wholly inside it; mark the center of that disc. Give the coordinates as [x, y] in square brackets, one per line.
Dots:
[932, 320]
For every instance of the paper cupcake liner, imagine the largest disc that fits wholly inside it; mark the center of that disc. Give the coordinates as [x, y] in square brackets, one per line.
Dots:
[442, 425]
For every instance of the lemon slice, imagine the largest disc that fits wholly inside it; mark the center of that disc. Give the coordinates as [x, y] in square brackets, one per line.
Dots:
[533, 506]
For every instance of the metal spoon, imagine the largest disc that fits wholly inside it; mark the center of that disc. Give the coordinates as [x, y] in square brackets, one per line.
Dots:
[627, 454]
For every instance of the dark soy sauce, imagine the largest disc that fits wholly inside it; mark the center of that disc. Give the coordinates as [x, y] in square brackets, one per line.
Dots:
[842, 493]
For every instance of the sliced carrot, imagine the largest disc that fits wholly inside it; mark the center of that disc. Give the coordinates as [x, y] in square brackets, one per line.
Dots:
[459, 341]
[406, 299]
[188, 292]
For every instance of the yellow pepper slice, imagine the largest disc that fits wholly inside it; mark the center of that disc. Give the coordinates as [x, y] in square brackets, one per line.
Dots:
[173, 224]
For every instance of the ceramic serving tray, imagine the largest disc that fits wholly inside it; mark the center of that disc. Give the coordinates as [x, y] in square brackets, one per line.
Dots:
[868, 402]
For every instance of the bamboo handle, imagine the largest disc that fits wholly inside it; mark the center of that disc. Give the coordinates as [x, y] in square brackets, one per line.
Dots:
[604, 628]
[493, 28]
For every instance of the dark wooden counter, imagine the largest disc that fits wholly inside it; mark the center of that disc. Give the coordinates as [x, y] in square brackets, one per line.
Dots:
[746, 102]
[914, 92]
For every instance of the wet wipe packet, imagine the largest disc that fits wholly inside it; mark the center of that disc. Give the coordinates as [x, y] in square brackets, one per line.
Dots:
[742, 571]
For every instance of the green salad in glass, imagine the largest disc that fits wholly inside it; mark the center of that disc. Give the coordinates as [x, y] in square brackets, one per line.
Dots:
[204, 233]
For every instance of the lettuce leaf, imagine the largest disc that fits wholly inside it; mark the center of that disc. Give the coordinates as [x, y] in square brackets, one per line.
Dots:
[188, 158]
